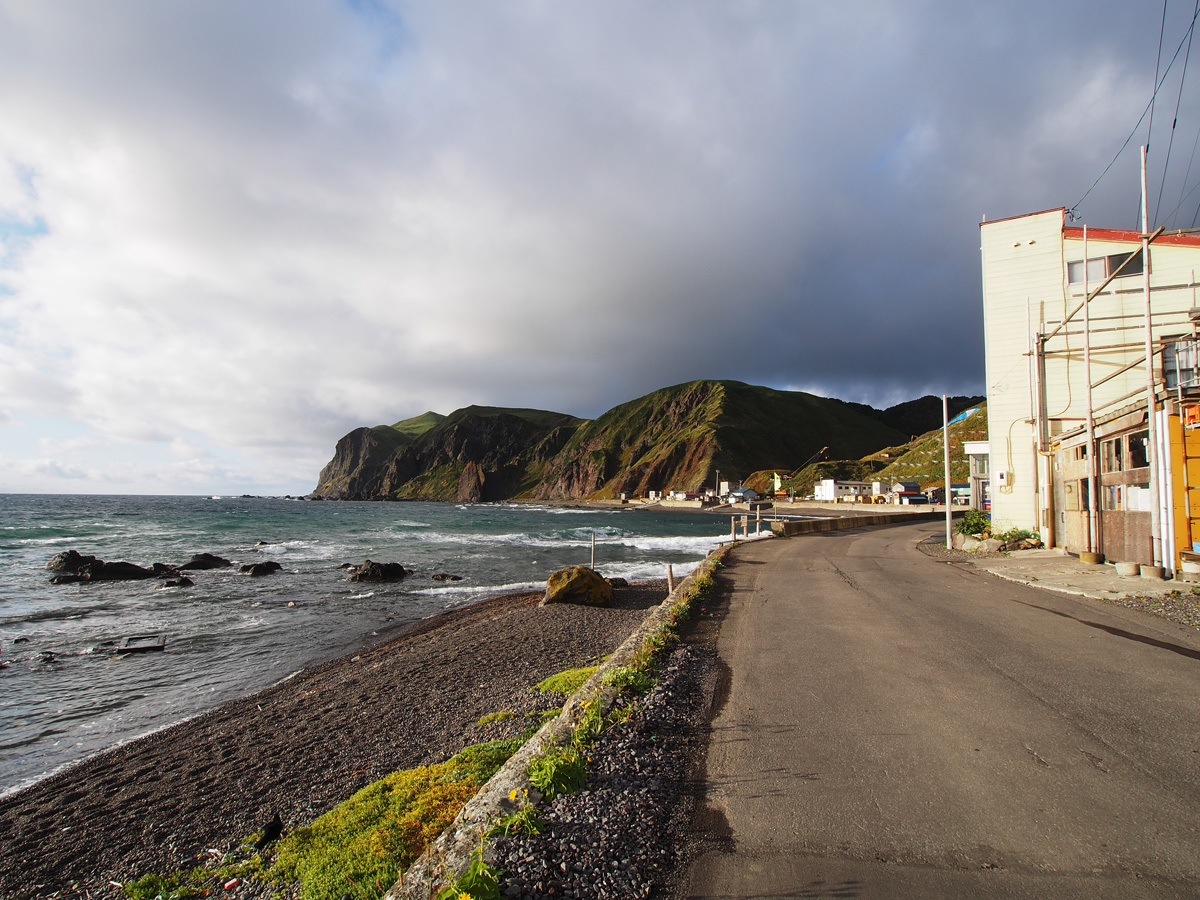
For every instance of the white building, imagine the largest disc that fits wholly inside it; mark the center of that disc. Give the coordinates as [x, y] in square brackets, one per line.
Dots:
[1068, 386]
[830, 490]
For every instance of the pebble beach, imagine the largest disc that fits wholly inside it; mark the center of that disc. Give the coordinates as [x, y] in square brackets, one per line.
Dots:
[299, 748]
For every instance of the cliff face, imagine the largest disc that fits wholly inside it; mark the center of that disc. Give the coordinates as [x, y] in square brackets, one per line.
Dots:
[355, 472]
[477, 453]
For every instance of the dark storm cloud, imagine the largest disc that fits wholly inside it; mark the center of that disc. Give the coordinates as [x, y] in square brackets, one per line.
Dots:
[269, 223]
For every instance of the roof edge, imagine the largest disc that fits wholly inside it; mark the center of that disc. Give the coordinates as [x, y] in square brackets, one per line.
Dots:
[1058, 209]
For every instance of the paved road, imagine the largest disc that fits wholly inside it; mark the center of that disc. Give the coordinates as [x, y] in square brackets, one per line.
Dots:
[901, 727]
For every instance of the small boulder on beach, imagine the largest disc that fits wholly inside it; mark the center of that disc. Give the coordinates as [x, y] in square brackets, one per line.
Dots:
[577, 584]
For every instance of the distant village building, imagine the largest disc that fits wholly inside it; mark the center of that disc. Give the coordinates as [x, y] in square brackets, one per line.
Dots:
[743, 495]
[830, 490]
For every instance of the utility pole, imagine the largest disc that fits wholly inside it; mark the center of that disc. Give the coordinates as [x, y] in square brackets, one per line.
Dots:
[1092, 468]
[947, 494]
[1151, 423]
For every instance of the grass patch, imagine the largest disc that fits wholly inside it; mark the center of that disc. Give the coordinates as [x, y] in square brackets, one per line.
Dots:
[566, 682]
[502, 716]
[178, 886]
[360, 847]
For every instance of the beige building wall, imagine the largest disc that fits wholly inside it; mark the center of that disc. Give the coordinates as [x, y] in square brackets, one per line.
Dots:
[1026, 291]
[1022, 266]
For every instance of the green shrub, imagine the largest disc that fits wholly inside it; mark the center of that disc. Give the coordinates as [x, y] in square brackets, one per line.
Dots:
[974, 521]
[627, 678]
[479, 882]
[1013, 534]
[559, 770]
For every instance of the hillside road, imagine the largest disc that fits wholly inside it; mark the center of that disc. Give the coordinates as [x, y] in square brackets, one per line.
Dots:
[898, 726]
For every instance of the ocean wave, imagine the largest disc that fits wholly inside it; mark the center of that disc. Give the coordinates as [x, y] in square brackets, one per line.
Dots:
[651, 543]
[516, 587]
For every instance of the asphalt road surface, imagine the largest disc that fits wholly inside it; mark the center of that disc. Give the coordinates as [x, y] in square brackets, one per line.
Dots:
[898, 726]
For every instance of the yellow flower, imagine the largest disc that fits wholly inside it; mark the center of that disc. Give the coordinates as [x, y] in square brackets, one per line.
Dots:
[512, 795]
[465, 896]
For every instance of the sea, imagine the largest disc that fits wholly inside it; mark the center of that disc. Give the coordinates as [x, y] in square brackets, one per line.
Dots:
[66, 694]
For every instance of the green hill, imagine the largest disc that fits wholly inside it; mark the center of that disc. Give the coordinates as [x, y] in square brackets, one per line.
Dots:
[676, 438]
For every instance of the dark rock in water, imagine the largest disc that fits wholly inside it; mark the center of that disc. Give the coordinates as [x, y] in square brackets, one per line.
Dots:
[442, 576]
[206, 561]
[379, 572]
[272, 832]
[23, 639]
[257, 570]
[104, 571]
[163, 570]
[114, 571]
[577, 584]
[71, 561]
[182, 582]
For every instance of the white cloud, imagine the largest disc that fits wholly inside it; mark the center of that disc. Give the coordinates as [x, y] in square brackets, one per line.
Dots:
[237, 231]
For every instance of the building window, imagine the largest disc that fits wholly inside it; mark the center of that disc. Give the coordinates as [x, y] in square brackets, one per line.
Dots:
[1139, 458]
[1114, 458]
[1100, 267]
[1128, 451]
[1114, 496]
[1138, 498]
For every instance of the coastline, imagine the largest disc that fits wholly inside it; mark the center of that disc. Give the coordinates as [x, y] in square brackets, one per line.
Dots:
[300, 746]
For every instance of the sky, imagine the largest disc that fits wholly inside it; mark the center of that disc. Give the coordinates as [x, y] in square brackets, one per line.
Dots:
[232, 232]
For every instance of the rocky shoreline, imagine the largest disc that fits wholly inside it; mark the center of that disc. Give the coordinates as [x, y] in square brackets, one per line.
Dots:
[297, 749]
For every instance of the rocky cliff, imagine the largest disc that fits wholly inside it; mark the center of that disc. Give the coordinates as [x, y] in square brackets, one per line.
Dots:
[477, 453]
[676, 438]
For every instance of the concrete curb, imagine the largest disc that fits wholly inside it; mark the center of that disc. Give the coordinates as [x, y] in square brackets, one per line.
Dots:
[450, 855]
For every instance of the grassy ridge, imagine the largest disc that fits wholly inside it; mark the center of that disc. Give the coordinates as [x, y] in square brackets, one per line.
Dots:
[676, 438]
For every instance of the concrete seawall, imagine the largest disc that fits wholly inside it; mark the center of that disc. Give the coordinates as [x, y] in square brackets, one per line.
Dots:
[854, 520]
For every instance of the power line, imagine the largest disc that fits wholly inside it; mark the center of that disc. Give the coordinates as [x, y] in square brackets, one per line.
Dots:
[1192, 158]
[1072, 210]
[1162, 28]
[1174, 122]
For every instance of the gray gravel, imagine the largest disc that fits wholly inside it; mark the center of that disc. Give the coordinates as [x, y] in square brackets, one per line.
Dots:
[628, 832]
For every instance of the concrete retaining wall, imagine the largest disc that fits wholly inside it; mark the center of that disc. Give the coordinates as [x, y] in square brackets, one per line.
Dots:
[812, 526]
